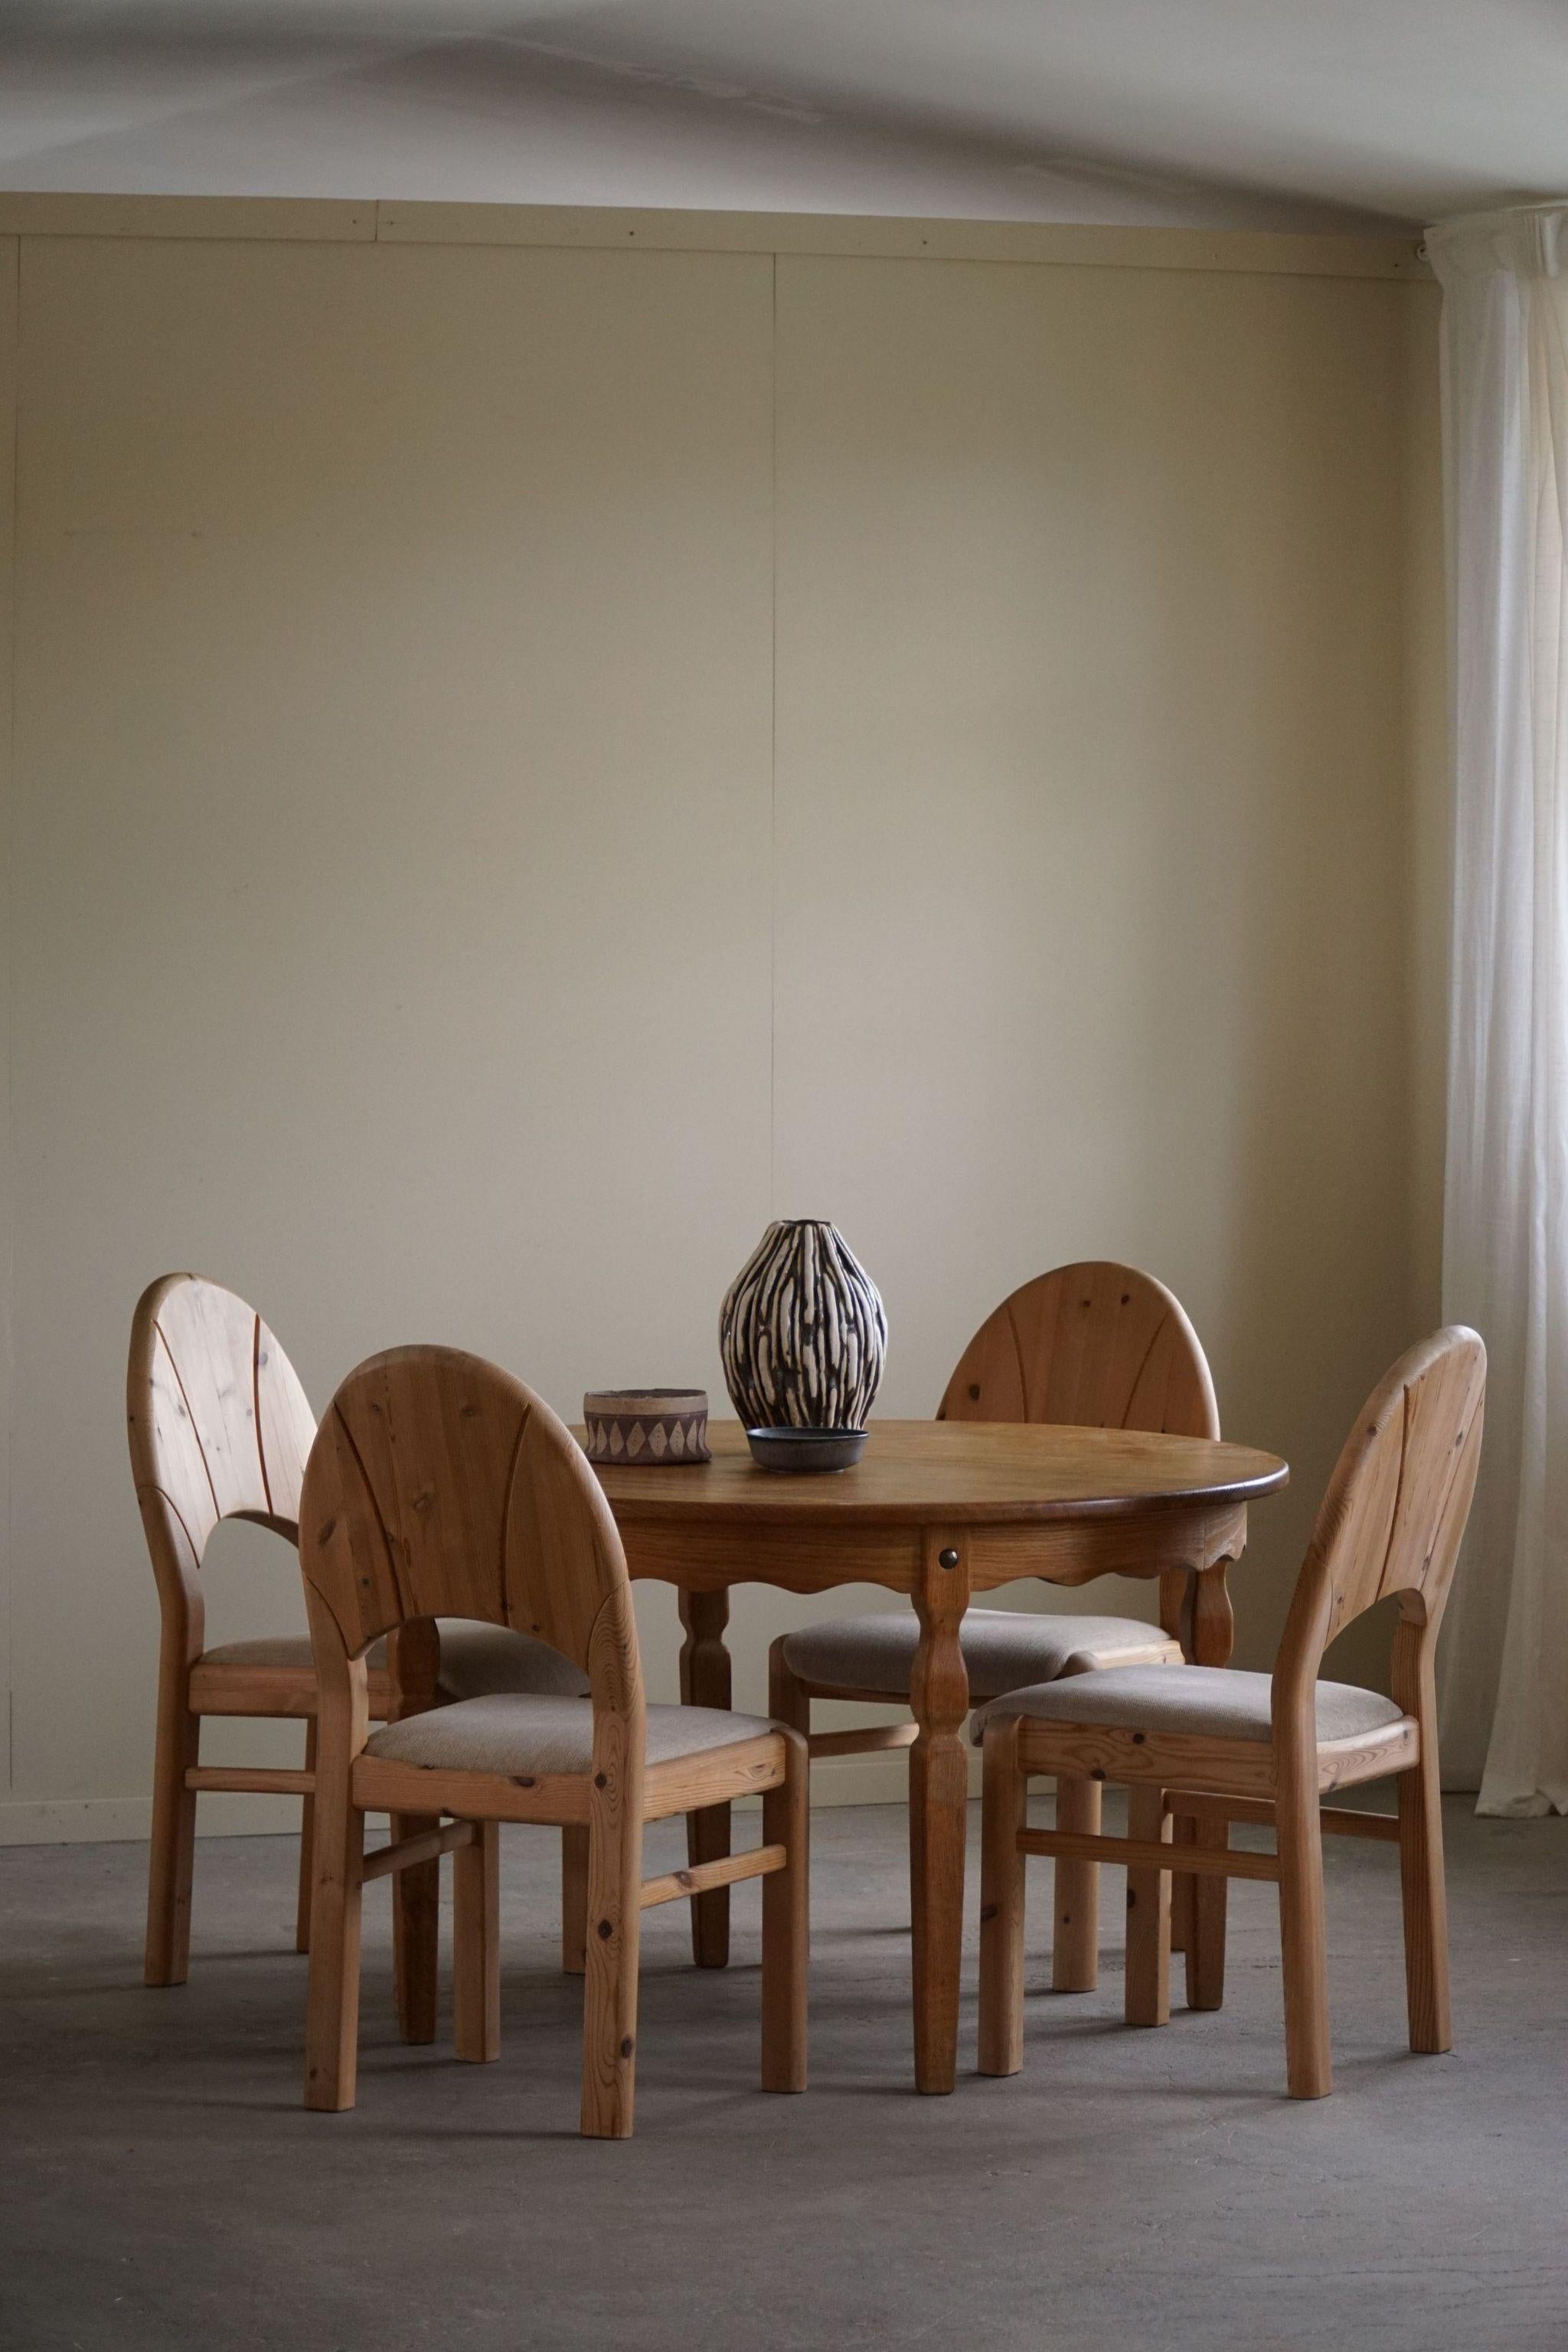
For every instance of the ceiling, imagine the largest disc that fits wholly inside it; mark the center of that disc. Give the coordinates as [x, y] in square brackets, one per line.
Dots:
[1265, 113]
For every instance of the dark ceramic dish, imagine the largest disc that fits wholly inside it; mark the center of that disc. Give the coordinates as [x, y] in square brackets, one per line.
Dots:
[805, 1449]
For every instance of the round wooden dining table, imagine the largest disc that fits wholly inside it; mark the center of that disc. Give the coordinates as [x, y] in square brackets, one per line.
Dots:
[939, 1510]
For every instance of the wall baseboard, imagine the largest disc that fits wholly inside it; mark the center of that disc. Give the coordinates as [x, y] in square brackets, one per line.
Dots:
[90, 1821]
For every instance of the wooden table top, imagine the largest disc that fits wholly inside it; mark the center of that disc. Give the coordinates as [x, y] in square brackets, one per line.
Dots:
[958, 1473]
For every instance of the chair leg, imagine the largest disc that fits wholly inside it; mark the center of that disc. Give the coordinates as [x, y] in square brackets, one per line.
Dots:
[1206, 1918]
[1303, 1949]
[1182, 1883]
[307, 1840]
[416, 1933]
[705, 1677]
[1148, 1915]
[1421, 1879]
[574, 1901]
[1075, 1948]
[786, 1924]
[331, 2020]
[173, 1849]
[788, 1701]
[476, 1944]
[610, 1981]
[788, 1920]
[1004, 1792]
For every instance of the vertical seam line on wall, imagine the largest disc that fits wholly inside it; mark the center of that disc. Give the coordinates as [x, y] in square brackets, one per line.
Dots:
[7, 1142]
[774, 743]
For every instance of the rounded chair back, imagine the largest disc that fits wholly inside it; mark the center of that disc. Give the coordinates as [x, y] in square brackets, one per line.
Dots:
[1094, 1346]
[441, 1486]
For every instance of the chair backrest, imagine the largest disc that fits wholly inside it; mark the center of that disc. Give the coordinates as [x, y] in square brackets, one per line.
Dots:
[440, 1486]
[220, 1427]
[1393, 1514]
[1096, 1346]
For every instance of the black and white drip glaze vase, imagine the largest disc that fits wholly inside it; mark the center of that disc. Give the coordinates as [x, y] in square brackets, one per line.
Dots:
[803, 1332]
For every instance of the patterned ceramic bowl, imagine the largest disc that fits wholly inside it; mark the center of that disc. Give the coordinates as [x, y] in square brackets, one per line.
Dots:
[645, 1425]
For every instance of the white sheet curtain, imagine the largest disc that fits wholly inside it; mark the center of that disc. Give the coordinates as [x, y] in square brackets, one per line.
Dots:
[1503, 1673]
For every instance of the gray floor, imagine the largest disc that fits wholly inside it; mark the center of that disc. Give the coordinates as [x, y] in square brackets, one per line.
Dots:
[164, 2189]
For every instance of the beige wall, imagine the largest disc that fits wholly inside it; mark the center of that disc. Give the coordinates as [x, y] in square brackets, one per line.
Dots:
[529, 760]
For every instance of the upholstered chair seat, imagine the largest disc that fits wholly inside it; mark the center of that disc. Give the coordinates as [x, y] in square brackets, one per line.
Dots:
[510, 1733]
[1002, 1648]
[475, 1659]
[1210, 1702]
[280, 1652]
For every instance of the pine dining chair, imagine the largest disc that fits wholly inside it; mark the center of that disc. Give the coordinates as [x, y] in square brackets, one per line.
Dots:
[220, 1429]
[1212, 1746]
[440, 1485]
[1092, 1345]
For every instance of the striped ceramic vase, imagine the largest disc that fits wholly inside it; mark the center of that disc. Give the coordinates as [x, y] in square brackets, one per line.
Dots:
[803, 1332]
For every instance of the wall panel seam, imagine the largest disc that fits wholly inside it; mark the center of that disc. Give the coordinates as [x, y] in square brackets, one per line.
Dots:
[773, 737]
[10, 407]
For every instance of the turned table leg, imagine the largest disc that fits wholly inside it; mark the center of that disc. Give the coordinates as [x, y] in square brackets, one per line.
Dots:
[1213, 1635]
[939, 1791]
[705, 1682]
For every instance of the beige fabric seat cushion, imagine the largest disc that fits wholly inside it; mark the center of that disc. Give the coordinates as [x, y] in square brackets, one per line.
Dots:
[476, 1659]
[510, 1733]
[1215, 1702]
[1002, 1648]
[285, 1651]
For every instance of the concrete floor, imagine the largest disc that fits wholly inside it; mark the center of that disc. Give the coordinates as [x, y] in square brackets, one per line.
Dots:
[164, 2188]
